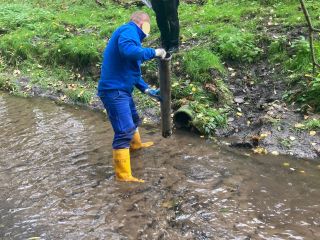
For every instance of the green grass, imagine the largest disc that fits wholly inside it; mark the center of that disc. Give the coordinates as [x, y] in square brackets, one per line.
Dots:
[60, 42]
[79, 95]
[300, 59]
[310, 94]
[241, 46]
[199, 61]
[312, 124]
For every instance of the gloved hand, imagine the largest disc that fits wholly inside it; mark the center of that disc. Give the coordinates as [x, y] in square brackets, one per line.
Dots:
[161, 53]
[154, 93]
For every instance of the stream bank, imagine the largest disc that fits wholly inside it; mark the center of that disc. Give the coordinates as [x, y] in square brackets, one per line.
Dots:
[262, 121]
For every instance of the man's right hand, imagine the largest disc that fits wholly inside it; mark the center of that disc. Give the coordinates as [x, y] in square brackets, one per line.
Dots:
[154, 93]
[161, 53]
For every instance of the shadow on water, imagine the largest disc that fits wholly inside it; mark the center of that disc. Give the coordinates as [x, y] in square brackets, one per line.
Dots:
[57, 183]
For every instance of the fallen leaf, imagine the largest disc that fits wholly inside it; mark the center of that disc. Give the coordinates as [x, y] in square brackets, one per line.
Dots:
[168, 204]
[286, 164]
[260, 150]
[312, 133]
[238, 99]
[210, 87]
[72, 86]
[230, 119]
[276, 153]
[80, 93]
[239, 114]
[270, 113]
[16, 72]
[302, 171]
[63, 97]
[292, 138]
[264, 135]
[299, 125]
[313, 144]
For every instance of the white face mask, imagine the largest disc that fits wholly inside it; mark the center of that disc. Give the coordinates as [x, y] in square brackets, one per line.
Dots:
[146, 28]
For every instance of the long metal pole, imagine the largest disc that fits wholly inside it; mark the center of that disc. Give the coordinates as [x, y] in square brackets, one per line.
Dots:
[165, 92]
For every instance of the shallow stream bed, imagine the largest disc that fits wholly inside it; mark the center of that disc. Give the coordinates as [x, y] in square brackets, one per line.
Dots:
[57, 182]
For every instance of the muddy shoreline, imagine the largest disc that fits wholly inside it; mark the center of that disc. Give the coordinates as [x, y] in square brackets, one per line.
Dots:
[262, 120]
[265, 126]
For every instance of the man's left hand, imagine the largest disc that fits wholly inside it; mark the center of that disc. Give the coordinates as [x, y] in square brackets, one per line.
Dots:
[154, 93]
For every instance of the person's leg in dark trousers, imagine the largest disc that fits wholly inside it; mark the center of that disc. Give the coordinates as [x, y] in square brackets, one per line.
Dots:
[173, 21]
[162, 21]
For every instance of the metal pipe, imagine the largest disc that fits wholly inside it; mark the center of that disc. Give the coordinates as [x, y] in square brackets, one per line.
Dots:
[165, 93]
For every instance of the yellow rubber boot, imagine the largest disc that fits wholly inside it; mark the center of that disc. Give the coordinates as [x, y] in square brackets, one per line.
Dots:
[136, 142]
[122, 167]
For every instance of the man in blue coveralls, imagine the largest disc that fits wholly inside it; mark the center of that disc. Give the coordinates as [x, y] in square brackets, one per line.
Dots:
[120, 73]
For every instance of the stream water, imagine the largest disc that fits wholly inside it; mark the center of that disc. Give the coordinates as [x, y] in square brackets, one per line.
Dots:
[57, 182]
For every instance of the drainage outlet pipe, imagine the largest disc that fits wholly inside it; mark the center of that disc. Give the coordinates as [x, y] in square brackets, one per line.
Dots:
[165, 93]
[183, 117]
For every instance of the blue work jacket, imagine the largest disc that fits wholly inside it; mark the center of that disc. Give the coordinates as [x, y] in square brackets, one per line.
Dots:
[122, 59]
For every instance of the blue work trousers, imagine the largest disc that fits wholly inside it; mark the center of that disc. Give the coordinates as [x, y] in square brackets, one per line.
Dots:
[123, 116]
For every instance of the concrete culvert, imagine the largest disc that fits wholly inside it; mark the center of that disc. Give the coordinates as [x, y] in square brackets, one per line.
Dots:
[183, 117]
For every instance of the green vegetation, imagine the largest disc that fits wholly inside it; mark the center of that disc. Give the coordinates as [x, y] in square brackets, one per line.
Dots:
[199, 61]
[7, 85]
[239, 47]
[285, 143]
[58, 44]
[312, 124]
[208, 119]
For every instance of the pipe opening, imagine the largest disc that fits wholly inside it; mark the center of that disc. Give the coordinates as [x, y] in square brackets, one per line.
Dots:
[167, 57]
[182, 120]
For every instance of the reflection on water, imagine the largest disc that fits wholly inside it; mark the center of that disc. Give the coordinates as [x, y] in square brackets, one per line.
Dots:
[57, 183]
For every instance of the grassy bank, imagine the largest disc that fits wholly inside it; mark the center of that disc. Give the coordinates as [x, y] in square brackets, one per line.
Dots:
[58, 45]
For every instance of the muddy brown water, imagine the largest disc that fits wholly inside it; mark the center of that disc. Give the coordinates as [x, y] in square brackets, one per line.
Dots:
[57, 183]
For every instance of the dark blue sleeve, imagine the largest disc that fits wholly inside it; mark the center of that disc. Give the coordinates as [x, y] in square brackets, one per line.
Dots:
[141, 85]
[129, 49]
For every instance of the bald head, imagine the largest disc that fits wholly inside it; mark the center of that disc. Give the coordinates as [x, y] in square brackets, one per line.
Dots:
[140, 17]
